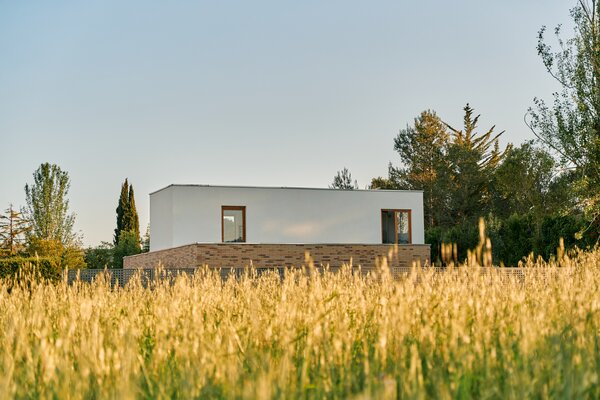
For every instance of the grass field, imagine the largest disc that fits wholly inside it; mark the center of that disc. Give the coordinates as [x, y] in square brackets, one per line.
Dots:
[458, 334]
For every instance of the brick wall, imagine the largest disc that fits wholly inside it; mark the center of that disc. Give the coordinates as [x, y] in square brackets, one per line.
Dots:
[221, 255]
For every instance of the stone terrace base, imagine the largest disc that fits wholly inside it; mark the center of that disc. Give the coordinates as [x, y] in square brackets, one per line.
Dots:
[227, 255]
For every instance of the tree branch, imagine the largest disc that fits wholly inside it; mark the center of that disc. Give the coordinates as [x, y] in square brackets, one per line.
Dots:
[546, 142]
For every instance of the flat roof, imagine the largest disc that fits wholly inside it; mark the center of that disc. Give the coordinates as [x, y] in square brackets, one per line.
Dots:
[279, 187]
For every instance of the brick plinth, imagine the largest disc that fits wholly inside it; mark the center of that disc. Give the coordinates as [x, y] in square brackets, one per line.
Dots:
[224, 255]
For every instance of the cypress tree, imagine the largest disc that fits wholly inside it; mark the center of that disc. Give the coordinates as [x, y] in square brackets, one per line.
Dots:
[122, 210]
[127, 216]
[134, 222]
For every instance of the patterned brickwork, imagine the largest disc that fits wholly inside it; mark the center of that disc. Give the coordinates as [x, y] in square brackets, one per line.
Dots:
[226, 255]
[176, 257]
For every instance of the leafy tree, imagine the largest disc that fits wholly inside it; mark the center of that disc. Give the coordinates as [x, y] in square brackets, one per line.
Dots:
[524, 182]
[571, 125]
[389, 183]
[13, 227]
[424, 164]
[473, 159]
[65, 256]
[99, 257]
[561, 196]
[128, 245]
[127, 216]
[47, 206]
[343, 180]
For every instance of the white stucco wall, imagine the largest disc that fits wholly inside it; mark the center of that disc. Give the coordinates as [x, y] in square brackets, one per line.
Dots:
[161, 219]
[184, 214]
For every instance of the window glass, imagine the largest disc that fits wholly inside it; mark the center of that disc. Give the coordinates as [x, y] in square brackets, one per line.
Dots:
[387, 226]
[395, 226]
[233, 225]
[402, 227]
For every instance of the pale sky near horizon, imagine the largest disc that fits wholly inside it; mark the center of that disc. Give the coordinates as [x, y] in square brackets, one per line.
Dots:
[264, 93]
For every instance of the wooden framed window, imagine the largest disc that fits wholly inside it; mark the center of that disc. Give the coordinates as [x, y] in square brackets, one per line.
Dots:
[396, 226]
[233, 224]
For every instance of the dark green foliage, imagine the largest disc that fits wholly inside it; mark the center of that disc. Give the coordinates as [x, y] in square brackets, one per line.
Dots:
[464, 235]
[389, 183]
[513, 238]
[122, 209]
[128, 245]
[383, 183]
[133, 225]
[343, 180]
[536, 206]
[99, 257]
[566, 227]
[127, 216]
[435, 238]
[526, 182]
[520, 237]
[46, 268]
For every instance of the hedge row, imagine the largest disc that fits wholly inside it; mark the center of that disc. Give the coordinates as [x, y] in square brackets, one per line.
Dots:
[40, 267]
[514, 238]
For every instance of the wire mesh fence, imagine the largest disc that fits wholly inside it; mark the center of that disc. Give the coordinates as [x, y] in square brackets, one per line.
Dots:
[120, 277]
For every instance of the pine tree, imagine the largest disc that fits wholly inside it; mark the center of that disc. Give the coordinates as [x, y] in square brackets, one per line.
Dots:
[13, 227]
[473, 161]
[343, 180]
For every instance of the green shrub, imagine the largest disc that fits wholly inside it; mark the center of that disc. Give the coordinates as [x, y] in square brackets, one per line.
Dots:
[69, 256]
[435, 238]
[515, 237]
[99, 257]
[519, 237]
[128, 245]
[45, 268]
[566, 227]
[465, 236]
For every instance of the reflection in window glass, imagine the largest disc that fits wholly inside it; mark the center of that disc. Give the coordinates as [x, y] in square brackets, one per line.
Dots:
[402, 227]
[233, 225]
[395, 226]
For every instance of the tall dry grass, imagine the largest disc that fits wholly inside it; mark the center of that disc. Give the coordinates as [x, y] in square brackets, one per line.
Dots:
[457, 334]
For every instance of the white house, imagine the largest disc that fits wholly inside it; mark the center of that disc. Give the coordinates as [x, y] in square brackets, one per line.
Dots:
[186, 214]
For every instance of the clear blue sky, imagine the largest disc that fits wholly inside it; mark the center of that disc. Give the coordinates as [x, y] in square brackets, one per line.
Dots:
[281, 93]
